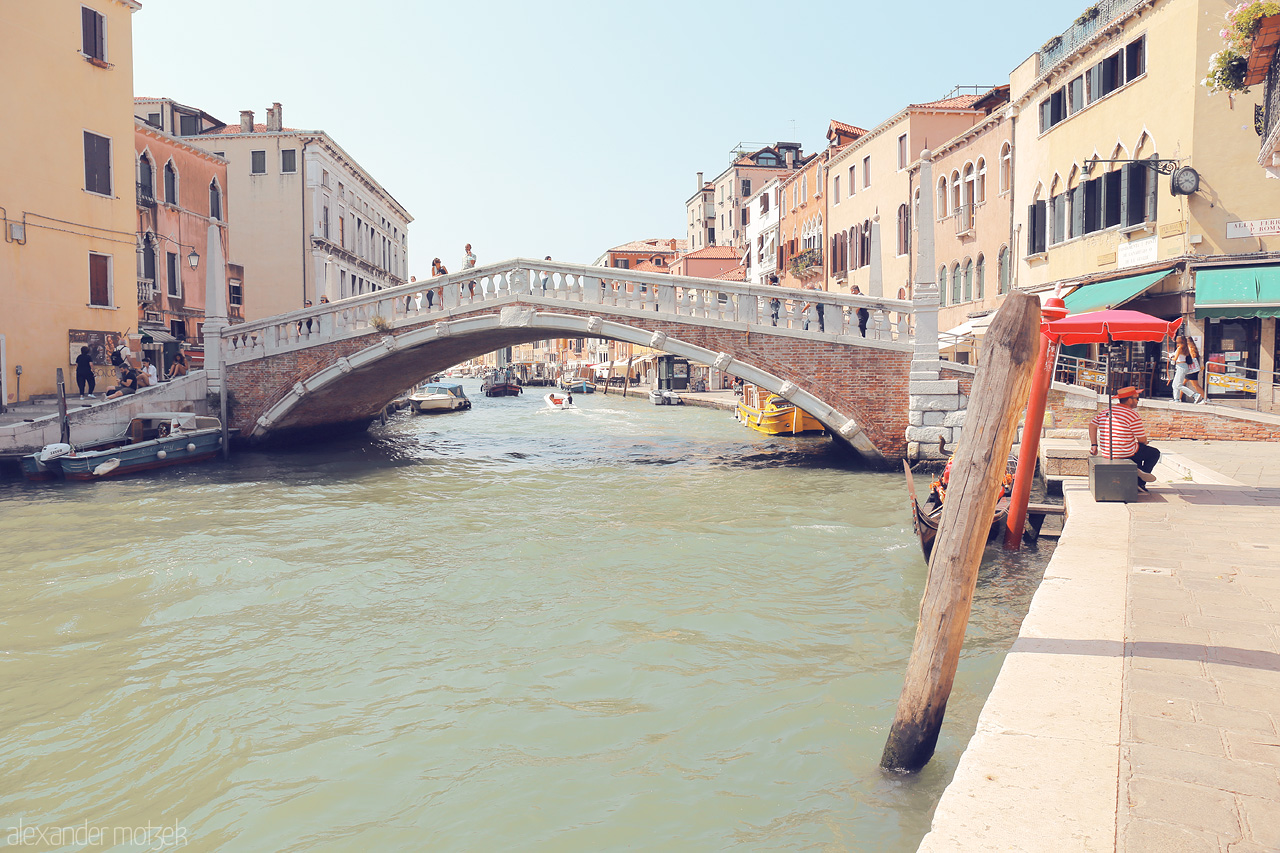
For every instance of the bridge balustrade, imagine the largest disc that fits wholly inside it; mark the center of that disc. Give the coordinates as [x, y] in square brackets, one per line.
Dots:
[766, 308]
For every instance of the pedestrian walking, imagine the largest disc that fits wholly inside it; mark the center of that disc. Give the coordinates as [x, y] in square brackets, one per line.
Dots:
[84, 372]
[863, 314]
[1186, 373]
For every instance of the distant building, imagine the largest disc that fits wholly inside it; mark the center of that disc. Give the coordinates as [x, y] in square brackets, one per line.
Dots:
[710, 262]
[761, 255]
[69, 217]
[182, 190]
[716, 214]
[307, 220]
[654, 251]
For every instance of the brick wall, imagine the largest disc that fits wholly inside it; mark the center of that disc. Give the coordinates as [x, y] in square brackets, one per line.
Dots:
[1172, 423]
[869, 385]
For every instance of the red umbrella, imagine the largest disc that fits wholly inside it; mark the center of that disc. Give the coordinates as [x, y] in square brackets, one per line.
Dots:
[1101, 327]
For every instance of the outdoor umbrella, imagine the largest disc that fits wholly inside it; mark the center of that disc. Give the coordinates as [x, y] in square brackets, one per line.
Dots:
[1103, 327]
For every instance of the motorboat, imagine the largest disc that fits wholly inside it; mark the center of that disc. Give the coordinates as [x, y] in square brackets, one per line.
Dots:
[773, 415]
[152, 440]
[559, 401]
[431, 397]
[665, 397]
[577, 384]
[501, 382]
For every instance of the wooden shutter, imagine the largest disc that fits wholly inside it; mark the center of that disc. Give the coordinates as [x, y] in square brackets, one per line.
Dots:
[1152, 194]
[97, 163]
[1077, 211]
[1126, 179]
[93, 35]
[99, 280]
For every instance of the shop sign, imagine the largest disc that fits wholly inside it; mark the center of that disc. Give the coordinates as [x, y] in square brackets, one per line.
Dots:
[1231, 383]
[1253, 228]
[1137, 252]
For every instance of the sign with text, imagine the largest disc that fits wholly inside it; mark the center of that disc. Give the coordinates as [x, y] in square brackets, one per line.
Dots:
[1136, 252]
[1253, 228]
[100, 344]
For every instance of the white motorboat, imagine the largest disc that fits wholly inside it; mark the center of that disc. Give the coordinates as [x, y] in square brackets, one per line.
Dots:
[664, 398]
[559, 401]
[434, 397]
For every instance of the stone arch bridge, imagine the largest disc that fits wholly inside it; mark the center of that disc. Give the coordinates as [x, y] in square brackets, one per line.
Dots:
[336, 365]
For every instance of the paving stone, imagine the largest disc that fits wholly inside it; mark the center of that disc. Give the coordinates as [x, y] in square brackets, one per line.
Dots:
[1158, 705]
[1207, 770]
[1259, 697]
[1171, 802]
[1146, 836]
[1173, 686]
[1259, 749]
[1262, 822]
[1192, 737]
[1234, 718]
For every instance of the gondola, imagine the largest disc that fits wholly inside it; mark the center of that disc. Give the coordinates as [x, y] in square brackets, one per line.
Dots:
[926, 519]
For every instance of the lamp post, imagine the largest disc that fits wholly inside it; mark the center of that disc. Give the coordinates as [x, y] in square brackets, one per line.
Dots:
[193, 258]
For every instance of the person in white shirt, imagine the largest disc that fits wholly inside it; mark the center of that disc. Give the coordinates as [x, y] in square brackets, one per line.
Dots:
[149, 371]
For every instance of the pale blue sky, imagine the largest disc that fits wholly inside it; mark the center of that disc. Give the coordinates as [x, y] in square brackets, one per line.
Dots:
[566, 127]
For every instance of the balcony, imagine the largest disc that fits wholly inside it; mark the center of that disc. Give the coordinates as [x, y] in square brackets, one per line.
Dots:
[146, 197]
[146, 291]
[1090, 23]
[807, 264]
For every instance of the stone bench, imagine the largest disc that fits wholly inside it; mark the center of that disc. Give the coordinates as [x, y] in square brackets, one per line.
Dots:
[1064, 453]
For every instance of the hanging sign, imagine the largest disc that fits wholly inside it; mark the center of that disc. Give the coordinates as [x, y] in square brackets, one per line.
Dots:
[1253, 228]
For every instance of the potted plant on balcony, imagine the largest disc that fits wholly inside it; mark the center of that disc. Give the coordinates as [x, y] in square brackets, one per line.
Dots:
[1227, 67]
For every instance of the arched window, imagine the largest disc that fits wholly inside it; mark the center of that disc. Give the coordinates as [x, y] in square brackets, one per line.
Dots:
[980, 272]
[942, 197]
[1006, 167]
[955, 191]
[980, 188]
[215, 201]
[804, 187]
[968, 280]
[835, 189]
[969, 195]
[943, 287]
[956, 283]
[1002, 271]
[170, 183]
[904, 230]
[146, 177]
[149, 258]
[866, 242]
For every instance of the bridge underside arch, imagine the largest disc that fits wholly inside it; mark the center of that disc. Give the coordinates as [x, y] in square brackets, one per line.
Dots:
[344, 385]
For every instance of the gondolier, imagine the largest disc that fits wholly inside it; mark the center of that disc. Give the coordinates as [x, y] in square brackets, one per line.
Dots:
[1119, 433]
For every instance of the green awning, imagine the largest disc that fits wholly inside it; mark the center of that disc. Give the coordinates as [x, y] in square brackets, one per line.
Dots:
[1238, 291]
[1111, 294]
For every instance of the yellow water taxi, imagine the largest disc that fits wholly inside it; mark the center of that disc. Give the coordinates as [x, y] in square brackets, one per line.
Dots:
[768, 413]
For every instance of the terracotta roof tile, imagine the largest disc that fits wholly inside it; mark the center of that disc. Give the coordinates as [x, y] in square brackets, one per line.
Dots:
[847, 128]
[235, 128]
[650, 266]
[651, 245]
[959, 102]
[716, 252]
[735, 274]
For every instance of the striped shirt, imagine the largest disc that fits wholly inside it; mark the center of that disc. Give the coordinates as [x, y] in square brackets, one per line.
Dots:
[1129, 430]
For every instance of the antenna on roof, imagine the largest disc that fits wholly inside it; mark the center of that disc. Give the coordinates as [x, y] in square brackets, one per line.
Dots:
[793, 128]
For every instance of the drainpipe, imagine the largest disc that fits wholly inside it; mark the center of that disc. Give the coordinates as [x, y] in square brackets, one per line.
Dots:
[1014, 230]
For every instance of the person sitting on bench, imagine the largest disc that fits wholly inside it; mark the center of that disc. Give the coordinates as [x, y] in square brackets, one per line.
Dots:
[1120, 434]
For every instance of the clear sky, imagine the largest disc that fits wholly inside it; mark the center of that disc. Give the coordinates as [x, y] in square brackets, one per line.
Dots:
[565, 127]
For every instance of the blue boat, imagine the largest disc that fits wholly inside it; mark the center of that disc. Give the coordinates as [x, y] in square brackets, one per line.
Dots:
[152, 440]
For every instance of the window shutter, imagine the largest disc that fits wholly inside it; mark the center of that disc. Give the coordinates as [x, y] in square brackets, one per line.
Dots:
[99, 280]
[93, 35]
[1152, 194]
[1126, 178]
[1077, 211]
[97, 163]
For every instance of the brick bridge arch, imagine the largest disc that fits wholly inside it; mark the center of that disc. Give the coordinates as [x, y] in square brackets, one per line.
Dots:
[314, 380]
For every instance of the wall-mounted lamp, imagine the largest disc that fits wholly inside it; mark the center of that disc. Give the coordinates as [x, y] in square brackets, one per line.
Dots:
[193, 258]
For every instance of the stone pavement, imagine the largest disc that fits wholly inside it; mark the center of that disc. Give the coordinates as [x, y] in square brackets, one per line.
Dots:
[1139, 709]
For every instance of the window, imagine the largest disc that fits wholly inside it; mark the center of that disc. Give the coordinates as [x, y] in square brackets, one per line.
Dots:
[1075, 95]
[979, 273]
[942, 197]
[746, 187]
[342, 230]
[324, 178]
[188, 125]
[968, 280]
[172, 275]
[93, 31]
[170, 183]
[866, 243]
[835, 189]
[866, 171]
[1053, 109]
[235, 291]
[146, 177]
[99, 280]
[257, 162]
[1057, 218]
[955, 192]
[764, 204]
[902, 151]
[324, 222]
[1121, 67]
[956, 284]
[1037, 234]
[149, 259]
[215, 201]
[942, 285]
[621, 263]
[853, 184]
[288, 160]
[746, 215]
[970, 186]
[804, 187]
[153, 119]
[980, 188]
[1006, 167]
[97, 163]
[1002, 270]
[904, 230]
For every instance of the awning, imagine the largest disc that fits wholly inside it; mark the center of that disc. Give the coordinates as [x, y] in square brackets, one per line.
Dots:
[157, 336]
[1238, 291]
[1113, 293]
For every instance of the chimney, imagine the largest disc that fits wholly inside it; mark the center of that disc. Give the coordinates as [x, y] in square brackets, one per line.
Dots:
[273, 118]
[791, 158]
[672, 244]
[246, 121]
[699, 180]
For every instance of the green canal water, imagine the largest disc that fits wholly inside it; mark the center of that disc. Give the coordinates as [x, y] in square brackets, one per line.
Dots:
[624, 627]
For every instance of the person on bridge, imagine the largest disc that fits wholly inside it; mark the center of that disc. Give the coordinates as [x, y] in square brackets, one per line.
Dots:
[1120, 434]
[863, 314]
[84, 372]
[469, 262]
[179, 366]
[774, 304]
[542, 278]
[818, 305]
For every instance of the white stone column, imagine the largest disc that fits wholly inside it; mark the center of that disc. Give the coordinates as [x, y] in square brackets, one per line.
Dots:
[875, 284]
[215, 309]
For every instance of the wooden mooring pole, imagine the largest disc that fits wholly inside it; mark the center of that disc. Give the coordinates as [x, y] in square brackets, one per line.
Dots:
[977, 470]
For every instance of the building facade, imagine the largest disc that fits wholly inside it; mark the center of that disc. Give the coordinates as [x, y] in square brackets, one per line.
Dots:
[720, 217]
[308, 221]
[69, 250]
[761, 255]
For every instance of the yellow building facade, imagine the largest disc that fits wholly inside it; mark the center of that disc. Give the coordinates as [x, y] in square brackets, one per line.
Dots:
[68, 260]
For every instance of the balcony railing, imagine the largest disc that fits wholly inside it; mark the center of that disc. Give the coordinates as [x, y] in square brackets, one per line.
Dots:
[964, 219]
[146, 291]
[807, 262]
[146, 197]
[1095, 18]
[1272, 116]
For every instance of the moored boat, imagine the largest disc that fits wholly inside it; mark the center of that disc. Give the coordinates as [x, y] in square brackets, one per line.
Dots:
[577, 384]
[773, 415]
[434, 397]
[500, 383]
[665, 397]
[152, 440]
[925, 519]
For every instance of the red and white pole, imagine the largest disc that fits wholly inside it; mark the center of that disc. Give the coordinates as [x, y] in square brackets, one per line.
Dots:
[1054, 309]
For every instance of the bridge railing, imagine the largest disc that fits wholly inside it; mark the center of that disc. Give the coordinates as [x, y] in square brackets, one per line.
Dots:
[680, 298]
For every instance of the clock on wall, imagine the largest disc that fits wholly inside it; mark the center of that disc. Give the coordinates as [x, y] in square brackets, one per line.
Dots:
[1184, 181]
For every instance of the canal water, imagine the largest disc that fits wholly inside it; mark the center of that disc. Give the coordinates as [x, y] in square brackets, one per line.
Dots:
[620, 627]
